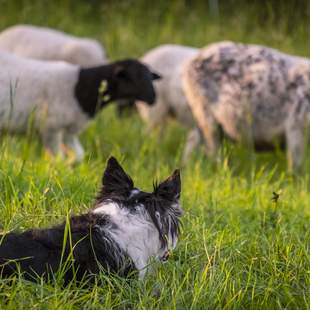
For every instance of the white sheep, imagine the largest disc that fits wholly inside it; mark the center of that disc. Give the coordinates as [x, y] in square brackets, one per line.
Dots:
[49, 44]
[167, 60]
[61, 98]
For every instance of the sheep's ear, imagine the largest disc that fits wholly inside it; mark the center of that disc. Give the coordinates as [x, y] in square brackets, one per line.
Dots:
[156, 76]
[170, 189]
[116, 183]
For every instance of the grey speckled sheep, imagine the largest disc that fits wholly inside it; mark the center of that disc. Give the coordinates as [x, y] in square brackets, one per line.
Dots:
[167, 60]
[49, 44]
[256, 94]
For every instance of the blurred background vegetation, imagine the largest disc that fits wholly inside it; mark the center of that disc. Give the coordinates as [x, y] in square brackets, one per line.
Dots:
[282, 24]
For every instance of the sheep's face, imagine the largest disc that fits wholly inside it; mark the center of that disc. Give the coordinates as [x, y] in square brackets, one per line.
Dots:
[132, 80]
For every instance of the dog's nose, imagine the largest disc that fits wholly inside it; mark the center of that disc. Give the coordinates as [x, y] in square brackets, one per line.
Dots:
[165, 257]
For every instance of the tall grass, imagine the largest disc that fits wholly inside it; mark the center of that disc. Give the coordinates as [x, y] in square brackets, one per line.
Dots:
[239, 249]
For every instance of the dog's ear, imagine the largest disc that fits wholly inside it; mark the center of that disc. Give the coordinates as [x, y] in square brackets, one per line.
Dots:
[170, 189]
[116, 183]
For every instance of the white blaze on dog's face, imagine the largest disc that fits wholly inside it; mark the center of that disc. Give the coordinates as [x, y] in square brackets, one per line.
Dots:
[143, 224]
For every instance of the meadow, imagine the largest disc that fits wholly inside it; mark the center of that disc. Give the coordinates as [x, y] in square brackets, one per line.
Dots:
[239, 248]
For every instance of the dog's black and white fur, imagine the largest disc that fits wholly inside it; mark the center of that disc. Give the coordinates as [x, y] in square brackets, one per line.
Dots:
[120, 234]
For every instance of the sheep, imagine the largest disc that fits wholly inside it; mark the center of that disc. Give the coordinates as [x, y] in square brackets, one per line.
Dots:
[49, 44]
[61, 98]
[255, 94]
[167, 60]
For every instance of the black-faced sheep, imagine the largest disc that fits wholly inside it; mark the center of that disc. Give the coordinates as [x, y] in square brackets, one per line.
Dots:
[61, 98]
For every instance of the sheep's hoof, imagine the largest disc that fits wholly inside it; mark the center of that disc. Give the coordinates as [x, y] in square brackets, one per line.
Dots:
[71, 156]
[49, 155]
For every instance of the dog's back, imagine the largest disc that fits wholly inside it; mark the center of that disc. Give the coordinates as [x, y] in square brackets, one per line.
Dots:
[23, 252]
[43, 252]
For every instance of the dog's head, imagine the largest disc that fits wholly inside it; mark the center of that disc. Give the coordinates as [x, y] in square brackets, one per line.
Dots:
[146, 220]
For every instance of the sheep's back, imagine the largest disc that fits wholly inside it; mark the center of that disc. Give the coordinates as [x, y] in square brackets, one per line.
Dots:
[49, 44]
[31, 87]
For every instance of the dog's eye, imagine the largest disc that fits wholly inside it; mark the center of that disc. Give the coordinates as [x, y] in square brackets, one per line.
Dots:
[134, 208]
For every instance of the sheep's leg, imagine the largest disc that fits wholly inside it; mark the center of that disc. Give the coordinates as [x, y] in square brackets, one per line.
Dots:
[209, 129]
[295, 145]
[192, 141]
[73, 143]
[201, 109]
[52, 142]
[155, 116]
[206, 123]
[295, 132]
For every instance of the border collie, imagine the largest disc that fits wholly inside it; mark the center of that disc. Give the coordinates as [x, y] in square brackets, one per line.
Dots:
[120, 234]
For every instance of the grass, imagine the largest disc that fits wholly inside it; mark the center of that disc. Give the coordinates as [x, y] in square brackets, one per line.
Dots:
[239, 249]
